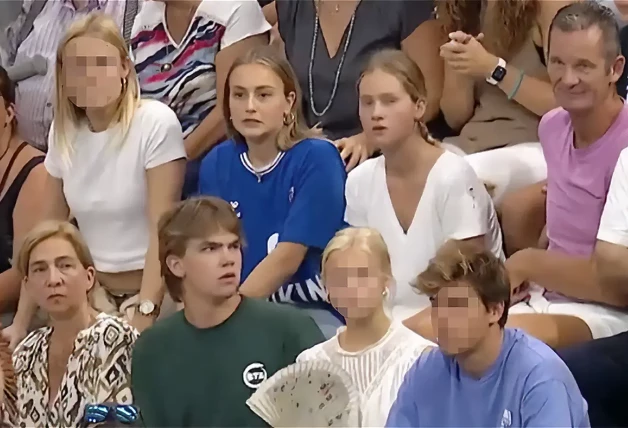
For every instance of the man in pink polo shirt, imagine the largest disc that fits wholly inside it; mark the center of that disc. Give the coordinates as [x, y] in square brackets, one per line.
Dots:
[581, 141]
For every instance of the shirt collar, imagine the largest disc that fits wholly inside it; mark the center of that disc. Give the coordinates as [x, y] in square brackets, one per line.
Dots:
[91, 4]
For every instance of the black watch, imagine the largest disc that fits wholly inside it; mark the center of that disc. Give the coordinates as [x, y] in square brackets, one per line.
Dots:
[498, 74]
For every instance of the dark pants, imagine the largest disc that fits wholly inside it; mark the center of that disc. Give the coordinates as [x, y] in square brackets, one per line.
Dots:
[601, 370]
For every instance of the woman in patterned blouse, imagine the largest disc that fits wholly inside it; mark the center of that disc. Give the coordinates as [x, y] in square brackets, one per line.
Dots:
[82, 357]
[8, 384]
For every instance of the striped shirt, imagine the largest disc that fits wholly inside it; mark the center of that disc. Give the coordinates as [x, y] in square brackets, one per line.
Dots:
[183, 75]
[35, 96]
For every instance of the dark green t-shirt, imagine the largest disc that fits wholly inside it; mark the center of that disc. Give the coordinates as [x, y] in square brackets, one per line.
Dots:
[183, 376]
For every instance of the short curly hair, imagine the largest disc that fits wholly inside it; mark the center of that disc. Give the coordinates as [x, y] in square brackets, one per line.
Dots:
[460, 261]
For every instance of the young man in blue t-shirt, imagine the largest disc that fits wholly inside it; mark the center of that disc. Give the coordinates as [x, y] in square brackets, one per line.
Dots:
[482, 375]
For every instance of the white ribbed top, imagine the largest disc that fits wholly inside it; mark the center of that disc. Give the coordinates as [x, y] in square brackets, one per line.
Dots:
[377, 371]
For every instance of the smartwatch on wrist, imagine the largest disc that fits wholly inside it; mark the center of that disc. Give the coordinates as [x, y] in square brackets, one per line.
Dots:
[498, 74]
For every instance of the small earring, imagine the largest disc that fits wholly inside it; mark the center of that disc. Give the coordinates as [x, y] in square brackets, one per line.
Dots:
[289, 119]
[385, 292]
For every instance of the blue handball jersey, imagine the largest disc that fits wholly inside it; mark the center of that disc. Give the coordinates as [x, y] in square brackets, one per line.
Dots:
[298, 198]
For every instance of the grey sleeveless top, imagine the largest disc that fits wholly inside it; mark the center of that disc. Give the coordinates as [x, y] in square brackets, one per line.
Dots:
[378, 24]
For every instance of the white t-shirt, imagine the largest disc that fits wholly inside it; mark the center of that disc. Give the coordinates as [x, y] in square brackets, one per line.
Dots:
[105, 183]
[378, 371]
[614, 222]
[454, 205]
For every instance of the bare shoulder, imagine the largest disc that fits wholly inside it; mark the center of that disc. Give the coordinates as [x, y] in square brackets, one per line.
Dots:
[37, 176]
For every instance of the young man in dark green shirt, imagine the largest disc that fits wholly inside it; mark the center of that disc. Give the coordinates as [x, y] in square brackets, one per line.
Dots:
[198, 367]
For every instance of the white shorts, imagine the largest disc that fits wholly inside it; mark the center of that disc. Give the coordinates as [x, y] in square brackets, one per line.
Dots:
[506, 169]
[603, 321]
[510, 168]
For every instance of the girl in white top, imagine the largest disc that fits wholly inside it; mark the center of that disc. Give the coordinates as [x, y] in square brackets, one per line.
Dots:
[417, 195]
[375, 351]
[115, 163]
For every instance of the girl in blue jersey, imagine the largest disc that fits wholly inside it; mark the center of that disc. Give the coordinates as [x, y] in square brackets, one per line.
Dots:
[285, 182]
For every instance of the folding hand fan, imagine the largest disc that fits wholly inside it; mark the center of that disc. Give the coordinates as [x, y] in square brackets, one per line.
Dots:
[308, 394]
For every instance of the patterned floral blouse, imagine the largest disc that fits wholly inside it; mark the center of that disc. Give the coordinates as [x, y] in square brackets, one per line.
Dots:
[98, 371]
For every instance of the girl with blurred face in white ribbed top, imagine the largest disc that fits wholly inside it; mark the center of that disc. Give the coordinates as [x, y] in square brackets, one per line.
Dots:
[115, 163]
[374, 350]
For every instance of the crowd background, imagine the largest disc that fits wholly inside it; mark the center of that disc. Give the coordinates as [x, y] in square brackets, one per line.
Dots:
[414, 122]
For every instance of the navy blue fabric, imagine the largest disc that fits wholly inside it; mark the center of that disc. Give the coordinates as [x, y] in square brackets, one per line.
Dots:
[601, 370]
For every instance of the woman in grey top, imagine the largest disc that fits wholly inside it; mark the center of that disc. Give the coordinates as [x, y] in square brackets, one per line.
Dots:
[327, 43]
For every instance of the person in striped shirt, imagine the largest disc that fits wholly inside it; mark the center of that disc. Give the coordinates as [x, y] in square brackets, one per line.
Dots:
[182, 51]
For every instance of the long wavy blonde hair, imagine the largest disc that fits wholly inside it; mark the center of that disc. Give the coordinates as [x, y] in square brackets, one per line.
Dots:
[67, 115]
[506, 29]
[295, 128]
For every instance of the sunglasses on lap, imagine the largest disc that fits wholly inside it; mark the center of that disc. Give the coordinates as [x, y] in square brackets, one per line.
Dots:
[125, 414]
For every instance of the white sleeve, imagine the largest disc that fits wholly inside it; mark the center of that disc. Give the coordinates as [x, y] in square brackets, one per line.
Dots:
[465, 204]
[304, 356]
[53, 161]
[355, 213]
[614, 221]
[246, 20]
[164, 135]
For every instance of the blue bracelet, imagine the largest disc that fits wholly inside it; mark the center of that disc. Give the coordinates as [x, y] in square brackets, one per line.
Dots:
[517, 86]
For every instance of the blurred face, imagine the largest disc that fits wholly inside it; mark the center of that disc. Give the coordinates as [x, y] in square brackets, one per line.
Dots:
[257, 102]
[460, 319]
[93, 72]
[210, 267]
[579, 69]
[56, 278]
[355, 283]
[387, 112]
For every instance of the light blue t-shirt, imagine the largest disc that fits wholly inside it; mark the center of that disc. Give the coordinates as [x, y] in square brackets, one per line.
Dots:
[528, 386]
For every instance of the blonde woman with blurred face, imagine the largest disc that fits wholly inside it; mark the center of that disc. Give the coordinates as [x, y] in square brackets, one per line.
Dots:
[82, 357]
[374, 350]
[116, 164]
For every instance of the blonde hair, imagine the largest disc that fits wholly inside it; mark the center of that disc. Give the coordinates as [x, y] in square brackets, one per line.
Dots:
[294, 128]
[67, 115]
[398, 64]
[363, 238]
[53, 229]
